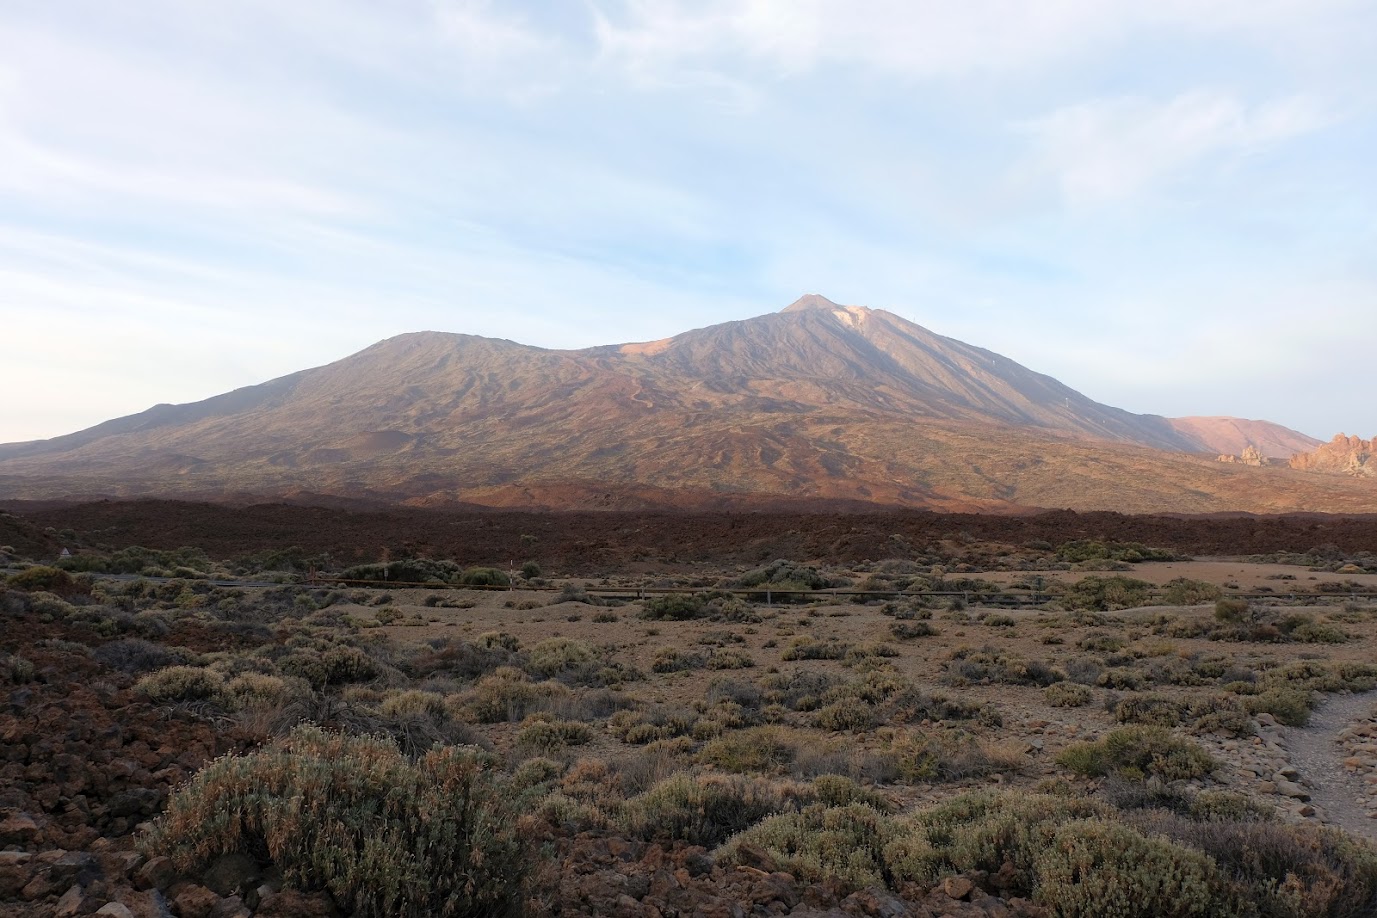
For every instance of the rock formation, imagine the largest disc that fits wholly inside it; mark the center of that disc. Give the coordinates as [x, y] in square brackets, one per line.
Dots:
[1343, 455]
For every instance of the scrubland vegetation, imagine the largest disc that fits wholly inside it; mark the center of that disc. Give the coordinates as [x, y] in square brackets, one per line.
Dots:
[1052, 735]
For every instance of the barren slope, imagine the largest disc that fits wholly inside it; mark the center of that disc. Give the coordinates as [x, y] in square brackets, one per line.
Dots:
[1231, 436]
[818, 403]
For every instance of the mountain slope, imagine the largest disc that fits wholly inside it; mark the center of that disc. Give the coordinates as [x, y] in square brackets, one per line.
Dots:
[818, 353]
[818, 402]
[1231, 436]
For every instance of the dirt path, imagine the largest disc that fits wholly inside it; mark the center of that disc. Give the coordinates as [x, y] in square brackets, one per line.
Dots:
[1316, 754]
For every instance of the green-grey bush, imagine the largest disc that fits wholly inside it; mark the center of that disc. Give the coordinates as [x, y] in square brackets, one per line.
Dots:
[352, 816]
[1137, 753]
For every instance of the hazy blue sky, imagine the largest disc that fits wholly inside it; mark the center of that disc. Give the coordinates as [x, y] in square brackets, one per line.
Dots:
[1169, 205]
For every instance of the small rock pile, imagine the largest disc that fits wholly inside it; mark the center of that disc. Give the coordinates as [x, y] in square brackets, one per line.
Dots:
[112, 879]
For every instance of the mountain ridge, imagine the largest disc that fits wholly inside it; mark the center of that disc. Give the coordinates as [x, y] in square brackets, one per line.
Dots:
[815, 402]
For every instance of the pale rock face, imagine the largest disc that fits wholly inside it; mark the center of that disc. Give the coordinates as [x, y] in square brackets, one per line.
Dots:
[1343, 455]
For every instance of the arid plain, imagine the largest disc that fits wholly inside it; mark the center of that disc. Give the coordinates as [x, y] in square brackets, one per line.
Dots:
[904, 725]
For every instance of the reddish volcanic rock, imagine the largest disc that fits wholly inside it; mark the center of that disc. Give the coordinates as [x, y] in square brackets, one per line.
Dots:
[1342, 455]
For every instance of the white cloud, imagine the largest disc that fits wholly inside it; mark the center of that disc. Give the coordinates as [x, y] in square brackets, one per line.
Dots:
[1108, 150]
[666, 41]
[476, 30]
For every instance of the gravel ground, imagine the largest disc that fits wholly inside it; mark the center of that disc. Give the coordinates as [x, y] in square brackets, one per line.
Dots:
[1318, 755]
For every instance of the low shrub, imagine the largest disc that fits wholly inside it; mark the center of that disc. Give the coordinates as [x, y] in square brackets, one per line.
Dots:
[1186, 592]
[718, 605]
[499, 640]
[337, 665]
[846, 716]
[673, 660]
[43, 579]
[730, 659]
[1079, 550]
[842, 845]
[968, 666]
[548, 735]
[350, 815]
[1137, 753]
[1232, 611]
[553, 656]
[1289, 706]
[1066, 695]
[947, 755]
[758, 749]
[651, 725]
[700, 809]
[909, 630]
[798, 689]
[1126, 679]
[180, 683]
[1083, 671]
[1102, 594]
[1092, 868]
[250, 690]
[485, 576]
[1288, 871]
[1150, 709]
[786, 575]
[811, 648]
[136, 655]
[1305, 630]
[15, 669]
[999, 832]
[1099, 642]
[507, 695]
[836, 790]
[409, 570]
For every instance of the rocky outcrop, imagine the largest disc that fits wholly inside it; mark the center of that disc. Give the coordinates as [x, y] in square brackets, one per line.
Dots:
[1250, 456]
[1343, 455]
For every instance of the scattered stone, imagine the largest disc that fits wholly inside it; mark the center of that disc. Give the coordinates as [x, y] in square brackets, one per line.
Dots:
[876, 903]
[74, 902]
[192, 901]
[1292, 789]
[73, 867]
[292, 904]
[751, 856]
[148, 903]
[232, 874]
[17, 828]
[158, 874]
[231, 907]
[957, 887]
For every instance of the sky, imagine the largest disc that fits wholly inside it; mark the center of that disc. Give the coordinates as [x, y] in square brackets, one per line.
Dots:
[1170, 206]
